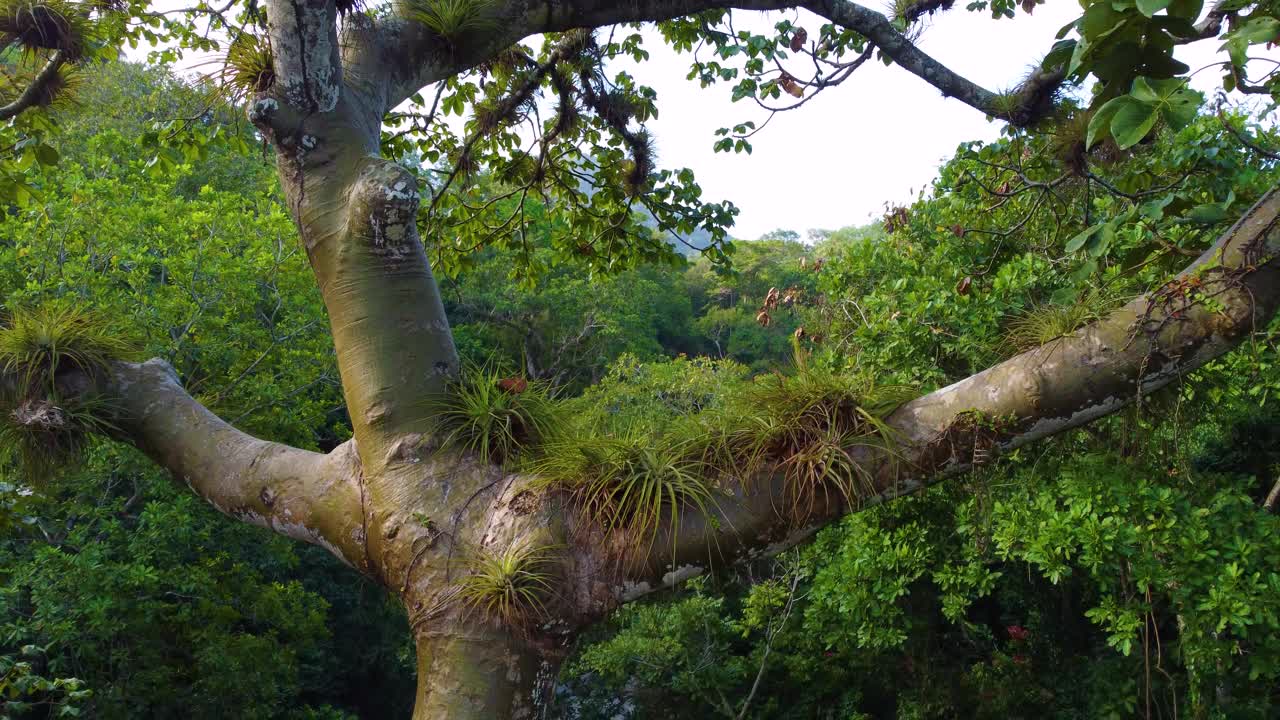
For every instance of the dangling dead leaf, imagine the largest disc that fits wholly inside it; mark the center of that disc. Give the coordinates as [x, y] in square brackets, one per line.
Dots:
[792, 87]
[798, 40]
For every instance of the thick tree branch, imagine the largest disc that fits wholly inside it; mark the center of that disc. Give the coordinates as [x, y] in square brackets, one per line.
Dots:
[1230, 292]
[304, 495]
[36, 89]
[417, 57]
[877, 28]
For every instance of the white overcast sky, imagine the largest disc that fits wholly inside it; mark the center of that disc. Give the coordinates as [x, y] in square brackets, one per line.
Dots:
[878, 138]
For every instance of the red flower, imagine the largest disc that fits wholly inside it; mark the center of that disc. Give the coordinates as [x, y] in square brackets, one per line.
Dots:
[513, 385]
[1018, 633]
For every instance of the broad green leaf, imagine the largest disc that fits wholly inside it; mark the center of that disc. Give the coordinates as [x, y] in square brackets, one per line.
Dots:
[1259, 30]
[1154, 209]
[1101, 241]
[1143, 90]
[1211, 213]
[1080, 239]
[1180, 108]
[1100, 123]
[1132, 122]
[1187, 9]
[46, 154]
[1151, 7]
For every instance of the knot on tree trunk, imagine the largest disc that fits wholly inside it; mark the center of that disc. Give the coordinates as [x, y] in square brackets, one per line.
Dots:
[384, 206]
[279, 122]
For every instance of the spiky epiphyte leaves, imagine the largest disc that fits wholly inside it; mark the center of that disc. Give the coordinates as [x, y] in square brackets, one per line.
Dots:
[41, 437]
[59, 89]
[452, 19]
[512, 585]
[616, 107]
[642, 163]
[39, 345]
[46, 25]
[805, 426]
[248, 68]
[627, 484]
[1067, 142]
[566, 120]
[568, 114]
[493, 416]
[53, 361]
[1048, 322]
[571, 43]
[907, 12]
[511, 108]
[1032, 100]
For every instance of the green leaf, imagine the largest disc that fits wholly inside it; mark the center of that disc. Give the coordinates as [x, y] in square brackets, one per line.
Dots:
[1059, 55]
[1154, 209]
[1100, 123]
[1085, 272]
[1211, 213]
[1144, 92]
[46, 154]
[1181, 108]
[1177, 103]
[1151, 7]
[1079, 240]
[1132, 122]
[1188, 9]
[1259, 30]
[1100, 243]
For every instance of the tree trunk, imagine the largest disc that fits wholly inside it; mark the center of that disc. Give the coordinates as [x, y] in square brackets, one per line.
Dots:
[471, 669]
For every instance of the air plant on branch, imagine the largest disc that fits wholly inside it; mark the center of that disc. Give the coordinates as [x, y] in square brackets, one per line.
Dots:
[58, 90]
[512, 585]
[493, 416]
[627, 484]
[807, 428]
[451, 19]
[1048, 322]
[46, 25]
[247, 68]
[53, 363]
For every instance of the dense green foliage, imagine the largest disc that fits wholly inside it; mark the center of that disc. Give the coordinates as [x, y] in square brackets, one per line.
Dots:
[117, 577]
[1125, 570]
[1119, 571]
